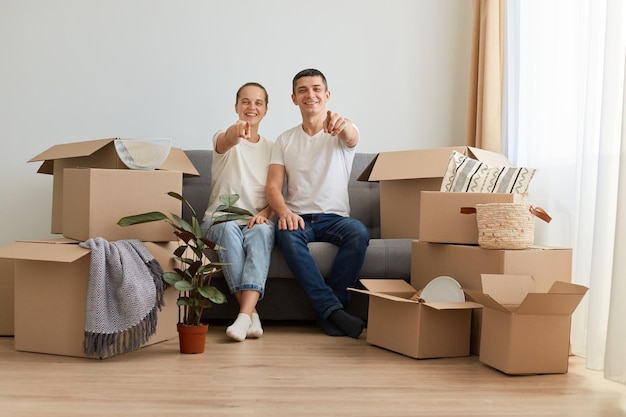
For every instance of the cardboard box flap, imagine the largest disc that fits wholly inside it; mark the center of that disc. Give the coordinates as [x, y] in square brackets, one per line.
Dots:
[486, 301]
[549, 304]
[405, 298]
[493, 159]
[365, 174]
[507, 289]
[514, 293]
[176, 159]
[419, 163]
[52, 240]
[72, 150]
[388, 286]
[47, 167]
[561, 287]
[453, 305]
[43, 251]
[423, 163]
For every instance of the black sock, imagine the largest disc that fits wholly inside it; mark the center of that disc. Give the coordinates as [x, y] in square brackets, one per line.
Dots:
[350, 325]
[329, 327]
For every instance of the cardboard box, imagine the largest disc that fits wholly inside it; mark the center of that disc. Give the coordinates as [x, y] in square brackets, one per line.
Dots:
[50, 295]
[441, 219]
[7, 284]
[98, 153]
[415, 328]
[467, 263]
[95, 199]
[523, 331]
[403, 174]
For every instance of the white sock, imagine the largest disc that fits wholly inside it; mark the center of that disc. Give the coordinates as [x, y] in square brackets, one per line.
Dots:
[239, 328]
[255, 329]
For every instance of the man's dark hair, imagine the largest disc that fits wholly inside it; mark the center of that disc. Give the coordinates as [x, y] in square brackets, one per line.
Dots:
[310, 72]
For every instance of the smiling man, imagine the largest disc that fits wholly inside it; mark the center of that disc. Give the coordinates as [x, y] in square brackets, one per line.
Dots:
[315, 158]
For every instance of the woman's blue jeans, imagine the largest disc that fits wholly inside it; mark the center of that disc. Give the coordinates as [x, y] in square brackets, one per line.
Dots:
[247, 253]
[352, 238]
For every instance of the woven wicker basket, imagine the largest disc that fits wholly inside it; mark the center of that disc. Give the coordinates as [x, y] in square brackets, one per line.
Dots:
[505, 225]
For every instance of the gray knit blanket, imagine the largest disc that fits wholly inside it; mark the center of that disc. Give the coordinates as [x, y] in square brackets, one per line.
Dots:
[125, 290]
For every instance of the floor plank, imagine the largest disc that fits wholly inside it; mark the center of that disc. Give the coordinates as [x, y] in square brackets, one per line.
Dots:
[293, 370]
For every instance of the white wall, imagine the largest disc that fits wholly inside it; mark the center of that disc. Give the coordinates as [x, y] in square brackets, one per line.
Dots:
[74, 70]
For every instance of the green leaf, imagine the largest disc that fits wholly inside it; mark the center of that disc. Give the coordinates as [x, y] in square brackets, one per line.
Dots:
[183, 285]
[152, 216]
[180, 250]
[183, 223]
[220, 263]
[240, 211]
[185, 236]
[234, 210]
[210, 244]
[227, 217]
[171, 277]
[197, 228]
[187, 261]
[193, 268]
[229, 200]
[213, 294]
[207, 269]
[184, 200]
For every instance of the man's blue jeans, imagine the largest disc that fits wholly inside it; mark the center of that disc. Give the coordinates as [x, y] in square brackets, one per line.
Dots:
[352, 238]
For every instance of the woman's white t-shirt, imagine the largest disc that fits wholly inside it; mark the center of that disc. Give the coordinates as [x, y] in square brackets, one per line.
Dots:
[241, 170]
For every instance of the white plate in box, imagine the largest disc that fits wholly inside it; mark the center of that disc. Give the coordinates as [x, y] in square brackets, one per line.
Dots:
[443, 289]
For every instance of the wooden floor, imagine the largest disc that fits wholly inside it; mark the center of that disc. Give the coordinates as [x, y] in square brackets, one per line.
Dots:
[293, 370]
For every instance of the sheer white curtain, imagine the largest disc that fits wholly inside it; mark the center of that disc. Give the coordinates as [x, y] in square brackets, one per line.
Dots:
[565, 116]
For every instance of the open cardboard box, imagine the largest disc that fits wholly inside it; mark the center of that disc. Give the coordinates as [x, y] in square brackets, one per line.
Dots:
[95, 199]
[403, 174]
[51, 279]
[441, 219]
[466, 263]
[525, 331]
[402, 323]
[99, 153]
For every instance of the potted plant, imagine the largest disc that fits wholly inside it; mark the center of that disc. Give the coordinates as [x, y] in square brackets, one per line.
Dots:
[192, 277]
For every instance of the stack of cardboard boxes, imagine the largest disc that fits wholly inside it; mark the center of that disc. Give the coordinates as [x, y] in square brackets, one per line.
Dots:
[517, 317]
[446, 244]
[92, 190]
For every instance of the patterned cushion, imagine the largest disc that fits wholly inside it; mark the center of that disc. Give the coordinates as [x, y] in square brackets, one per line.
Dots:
[465, 174]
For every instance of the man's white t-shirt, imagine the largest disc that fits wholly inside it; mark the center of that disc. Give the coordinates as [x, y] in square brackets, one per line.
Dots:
[241, 170]
[318, 171]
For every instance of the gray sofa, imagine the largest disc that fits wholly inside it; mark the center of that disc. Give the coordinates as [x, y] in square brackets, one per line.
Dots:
[284, 299]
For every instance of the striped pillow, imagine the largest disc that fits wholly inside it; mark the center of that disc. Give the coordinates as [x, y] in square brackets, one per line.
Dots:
[468, 175]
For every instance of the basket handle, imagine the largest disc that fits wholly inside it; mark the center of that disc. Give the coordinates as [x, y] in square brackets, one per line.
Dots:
[537, 211]
[541, 213]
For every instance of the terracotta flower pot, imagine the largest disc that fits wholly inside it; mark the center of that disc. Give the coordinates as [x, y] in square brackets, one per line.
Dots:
[191, 338]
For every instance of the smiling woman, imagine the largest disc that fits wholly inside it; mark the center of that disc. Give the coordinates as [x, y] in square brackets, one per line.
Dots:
[240, 165]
